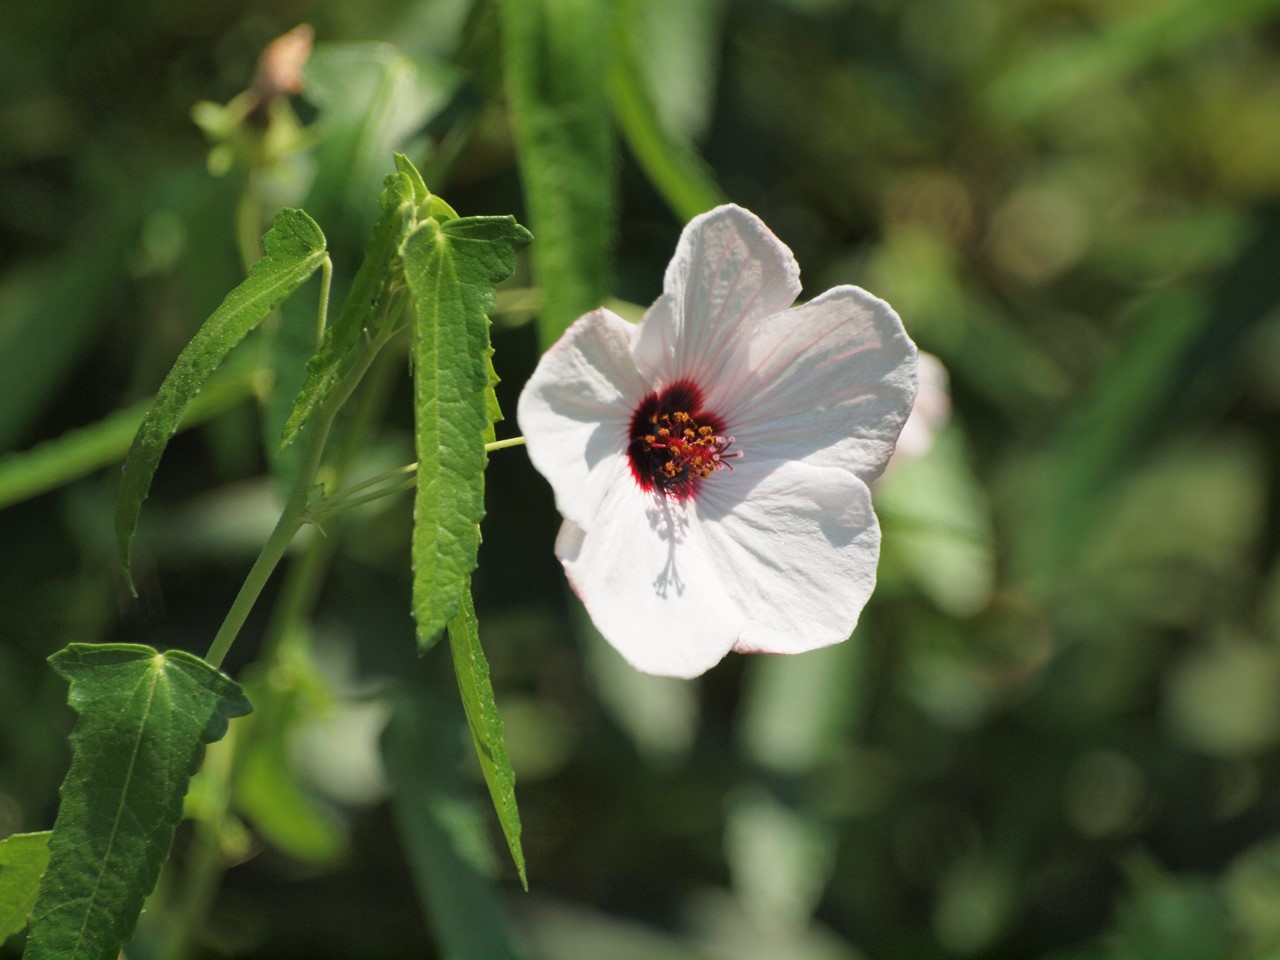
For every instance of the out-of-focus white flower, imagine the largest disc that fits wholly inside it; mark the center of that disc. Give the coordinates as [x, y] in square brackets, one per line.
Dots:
[712, 461]
[930, 413]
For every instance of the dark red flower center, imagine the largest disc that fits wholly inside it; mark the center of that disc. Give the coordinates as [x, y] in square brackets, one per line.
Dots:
[674, 443]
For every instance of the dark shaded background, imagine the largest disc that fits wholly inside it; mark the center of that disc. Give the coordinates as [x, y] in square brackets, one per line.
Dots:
[1054, 733]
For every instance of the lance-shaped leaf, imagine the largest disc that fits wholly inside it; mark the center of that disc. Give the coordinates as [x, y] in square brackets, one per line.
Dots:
[294, 248]
[486, 726]
[81, 451]
[398, 217]
[670, 160]
[556, 55]
[23, 857]
[144, 718]
[443, 830]
[451, 270]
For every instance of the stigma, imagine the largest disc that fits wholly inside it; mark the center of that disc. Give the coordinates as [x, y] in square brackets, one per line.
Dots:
[675, 443]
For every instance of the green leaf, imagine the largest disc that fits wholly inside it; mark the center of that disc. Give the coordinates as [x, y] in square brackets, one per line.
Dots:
[71, 285]
[1057, 70]
[486, 726]
[429, 205]
[797, 712]
[268, 791]
[372, 99]
[23, 858]
[670, 161]
[398, 204]
[405, 165]
[144, 718]
[557, 66]
[937, 526]
[442, 831]
[677, 44]
[79, 452]
[294, 247]
[1169, 917]
[1104, 433]
[492, 410]
[451, 271]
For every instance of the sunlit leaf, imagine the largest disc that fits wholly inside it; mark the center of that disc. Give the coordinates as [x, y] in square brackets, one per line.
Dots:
[451, 270]
[557, 64]
[660, 714]
[405, 165]
[267, 787]
[443, 832]
[937, 526]
[679, 47]
[797, 712]
[486, 726]
[372, 99]
[670, 160]
[23, 858]
[398, 204]
[144, 718]
[294, 248]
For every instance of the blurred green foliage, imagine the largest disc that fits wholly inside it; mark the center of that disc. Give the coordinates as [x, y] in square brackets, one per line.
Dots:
[1055, 733]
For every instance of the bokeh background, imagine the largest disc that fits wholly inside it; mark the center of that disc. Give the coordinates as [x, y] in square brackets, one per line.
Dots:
[1053, 735]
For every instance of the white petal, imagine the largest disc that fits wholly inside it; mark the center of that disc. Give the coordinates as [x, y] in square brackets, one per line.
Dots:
[829, 382]
[802, 543]
[646, 579]
[575, 411]
[729, 272]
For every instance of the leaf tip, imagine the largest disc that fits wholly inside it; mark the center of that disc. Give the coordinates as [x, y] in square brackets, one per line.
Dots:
[124, 551]
[290, 433]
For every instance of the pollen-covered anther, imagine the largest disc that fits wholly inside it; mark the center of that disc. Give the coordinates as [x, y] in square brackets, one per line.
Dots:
[675, 447]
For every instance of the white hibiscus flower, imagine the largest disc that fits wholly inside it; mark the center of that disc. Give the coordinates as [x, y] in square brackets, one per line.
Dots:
[712, 461]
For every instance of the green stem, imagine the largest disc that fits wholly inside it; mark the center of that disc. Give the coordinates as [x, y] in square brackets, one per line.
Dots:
[322, 315]
[203, 874]
[205, 864]
[302, 582]
[294, 513]
[274, 549]
[504, 444]
[298, 593]
[341, 495]
[328, 510]
[348, 496]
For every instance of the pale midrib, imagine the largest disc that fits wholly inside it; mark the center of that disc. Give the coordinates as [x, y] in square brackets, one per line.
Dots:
[425, 477]
[124, 796]
[437, 367]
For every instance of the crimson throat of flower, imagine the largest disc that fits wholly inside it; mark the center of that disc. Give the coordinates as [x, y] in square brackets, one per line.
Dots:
[675, 443]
